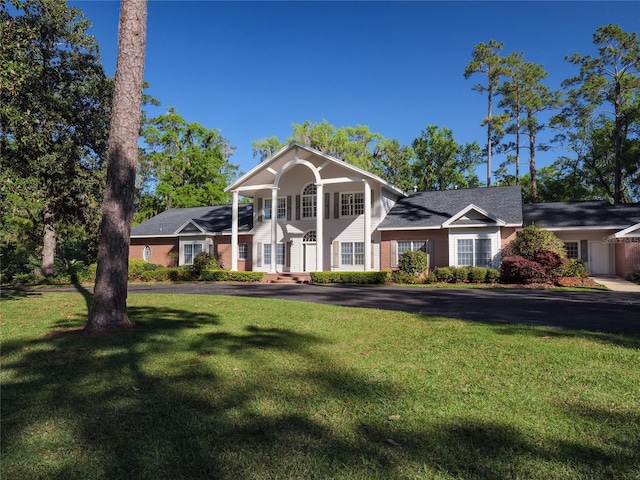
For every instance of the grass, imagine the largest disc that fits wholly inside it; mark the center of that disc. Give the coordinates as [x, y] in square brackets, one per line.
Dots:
[212, 387]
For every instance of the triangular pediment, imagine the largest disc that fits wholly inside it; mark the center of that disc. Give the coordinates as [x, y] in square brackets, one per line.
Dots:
[190, 228]
[473, 216]
[305, 165]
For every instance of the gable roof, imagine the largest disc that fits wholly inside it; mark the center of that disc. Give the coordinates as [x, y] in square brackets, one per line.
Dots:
[587, 214]
[268, 171]
[211, 220]
[447, 208]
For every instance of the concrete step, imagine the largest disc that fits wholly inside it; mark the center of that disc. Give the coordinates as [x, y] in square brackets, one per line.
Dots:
[288, 278]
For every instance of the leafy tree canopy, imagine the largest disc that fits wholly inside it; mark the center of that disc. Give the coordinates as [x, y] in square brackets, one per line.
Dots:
[182, 165]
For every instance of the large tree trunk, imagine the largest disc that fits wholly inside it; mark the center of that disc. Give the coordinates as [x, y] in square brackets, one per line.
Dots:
[48, 242]
[109, 306]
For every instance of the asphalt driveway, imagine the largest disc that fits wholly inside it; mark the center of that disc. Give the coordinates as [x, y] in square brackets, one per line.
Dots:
[598, 311]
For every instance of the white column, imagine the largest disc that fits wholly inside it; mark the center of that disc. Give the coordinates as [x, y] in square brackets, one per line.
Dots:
[234, 232]
[319, 225]
[367, 226]
[274, 228]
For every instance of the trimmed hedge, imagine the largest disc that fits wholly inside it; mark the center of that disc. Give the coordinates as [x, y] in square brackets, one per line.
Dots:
[228, 276]
[359, 278]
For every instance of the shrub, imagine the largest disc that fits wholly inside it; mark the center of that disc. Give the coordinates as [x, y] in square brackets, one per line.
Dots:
[214, 275]
[573, 267]
[137, 267]
[406, 278]
[634, 276]
[351, 277]
[180, 274]
[246, 276]
[413, 262]
[517, 269]
[477, 274]
[443, 274]
[493, 275]
[203, 262]
[430, 278]
[532, 240]
[24, 278]
[551, 262]
[459, 274]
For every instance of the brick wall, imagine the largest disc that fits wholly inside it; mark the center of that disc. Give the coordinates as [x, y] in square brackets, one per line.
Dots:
[164, 251]
[223, 250]
[440, 245]
[627, 256]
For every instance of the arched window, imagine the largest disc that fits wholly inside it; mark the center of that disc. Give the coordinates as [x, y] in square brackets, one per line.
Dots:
[310, 236]
[146, 253]
[309, 201]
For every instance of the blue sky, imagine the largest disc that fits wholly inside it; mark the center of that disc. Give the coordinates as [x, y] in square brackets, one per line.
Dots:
[250, 69]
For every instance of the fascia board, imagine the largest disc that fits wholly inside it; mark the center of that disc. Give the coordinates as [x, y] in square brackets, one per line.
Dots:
[627, 232]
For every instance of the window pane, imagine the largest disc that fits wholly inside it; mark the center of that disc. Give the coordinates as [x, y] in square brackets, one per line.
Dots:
[309, 201]
[572, 249]
[280, 254]
[267, 253]
[345, 203]
[146, 253]
[346, 249]
[197, 249]
[267, 209]
[403, 247]
[358, 248]
[242, 251]
[465, 252]
[483, 252]
[420, 246]
[358, 203]
[188, 254]
[282, 209]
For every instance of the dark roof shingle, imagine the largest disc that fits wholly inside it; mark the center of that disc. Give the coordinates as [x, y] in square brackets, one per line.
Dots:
[433, 208]
[216, 219]
[594, 213]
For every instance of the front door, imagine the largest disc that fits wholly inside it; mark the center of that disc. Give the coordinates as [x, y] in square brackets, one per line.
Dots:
[598, 258]
[310, 258]
[309, 252]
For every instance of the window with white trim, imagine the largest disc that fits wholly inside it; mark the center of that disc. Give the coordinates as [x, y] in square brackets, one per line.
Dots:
[243, 251]
[411, 246]
[191, 251]
[352, 253]
[280, 251]
[309, 209]
[351, 204]
[572, 249]
[282, 208]
[474, 252]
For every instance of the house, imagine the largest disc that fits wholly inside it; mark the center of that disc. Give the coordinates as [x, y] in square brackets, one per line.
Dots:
[310, 211]
[605, 237]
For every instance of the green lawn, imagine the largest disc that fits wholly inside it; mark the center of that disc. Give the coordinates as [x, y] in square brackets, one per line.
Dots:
[209, 387]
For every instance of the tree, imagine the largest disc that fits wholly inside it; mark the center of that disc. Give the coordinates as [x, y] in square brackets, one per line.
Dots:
[442, 164]
[109, 305]
[357, 145]
[525, 97]
[607, 84]
[183, 164]
[486, 60]
[54, 114]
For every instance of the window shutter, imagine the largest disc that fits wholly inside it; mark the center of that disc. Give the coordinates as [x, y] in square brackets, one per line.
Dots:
[394, 253]
[287, 254]
[336, 205]
[259, 254]
[260, 212]
[336, 254]
[297, 207]
[584, 251]
[429, 253]
[327, 199]
[289, 208]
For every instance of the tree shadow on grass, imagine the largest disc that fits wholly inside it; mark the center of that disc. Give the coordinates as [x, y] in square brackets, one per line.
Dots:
[178, 397]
